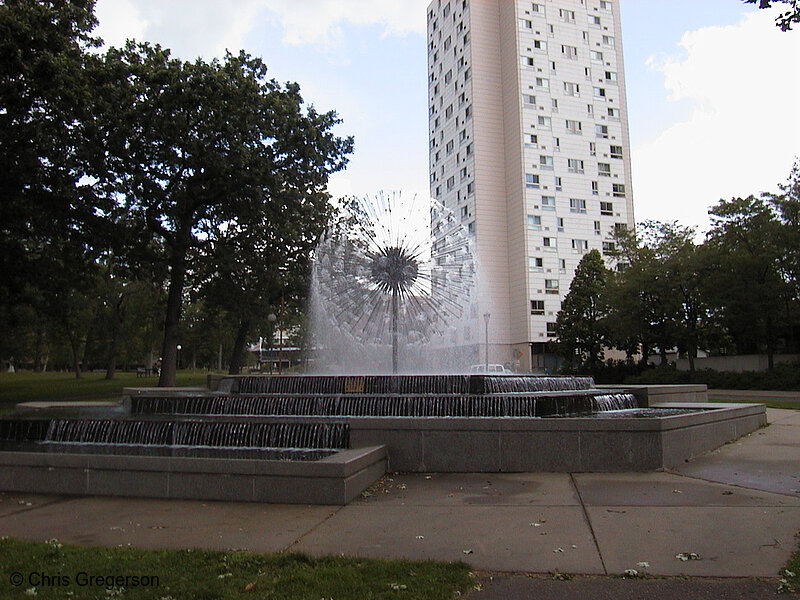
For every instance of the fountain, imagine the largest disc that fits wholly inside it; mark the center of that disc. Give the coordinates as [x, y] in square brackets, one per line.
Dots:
[324, 438]
[394, 275]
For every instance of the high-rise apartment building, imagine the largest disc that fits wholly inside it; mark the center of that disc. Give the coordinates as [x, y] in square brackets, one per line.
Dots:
[529, 148]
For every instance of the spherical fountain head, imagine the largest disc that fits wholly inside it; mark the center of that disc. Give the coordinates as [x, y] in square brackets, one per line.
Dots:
[394, 269]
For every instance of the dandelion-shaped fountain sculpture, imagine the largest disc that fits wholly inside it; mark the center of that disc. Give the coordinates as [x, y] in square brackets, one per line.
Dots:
[393, 273]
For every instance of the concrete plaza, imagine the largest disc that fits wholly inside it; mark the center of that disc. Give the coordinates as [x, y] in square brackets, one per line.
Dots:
[736, 508]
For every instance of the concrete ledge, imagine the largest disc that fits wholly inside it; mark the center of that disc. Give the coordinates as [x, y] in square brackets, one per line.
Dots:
[557, 445]
[651, 394]
[336, 479]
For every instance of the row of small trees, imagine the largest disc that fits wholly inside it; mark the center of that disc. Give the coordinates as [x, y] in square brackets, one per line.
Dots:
[737, 292]
[135, 184]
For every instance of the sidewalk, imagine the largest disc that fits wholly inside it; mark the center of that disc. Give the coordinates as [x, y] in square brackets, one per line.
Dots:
[738, 508]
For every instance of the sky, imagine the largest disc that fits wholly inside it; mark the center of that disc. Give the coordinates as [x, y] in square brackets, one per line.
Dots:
[712, 87]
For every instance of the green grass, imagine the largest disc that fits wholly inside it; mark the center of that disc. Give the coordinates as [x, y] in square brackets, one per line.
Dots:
[28, 386]
[790, 574]
[215, 575]
[768, 403]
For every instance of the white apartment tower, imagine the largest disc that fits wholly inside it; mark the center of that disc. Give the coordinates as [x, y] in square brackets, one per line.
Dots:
[529, 147]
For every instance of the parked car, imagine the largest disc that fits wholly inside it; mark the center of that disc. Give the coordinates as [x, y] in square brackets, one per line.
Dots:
[493, 369]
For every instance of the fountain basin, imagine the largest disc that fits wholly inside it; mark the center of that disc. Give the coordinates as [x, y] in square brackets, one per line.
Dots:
[336, 479]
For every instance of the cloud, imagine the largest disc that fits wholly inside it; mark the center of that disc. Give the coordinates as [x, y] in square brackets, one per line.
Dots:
[207, 28]
[743, 133]
[320, 21]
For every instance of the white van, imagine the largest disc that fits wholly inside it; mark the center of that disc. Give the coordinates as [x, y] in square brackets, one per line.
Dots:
[493, 369]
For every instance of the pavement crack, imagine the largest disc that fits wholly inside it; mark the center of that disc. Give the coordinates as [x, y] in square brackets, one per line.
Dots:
[588, 522]
[727, 483]
[313, 529]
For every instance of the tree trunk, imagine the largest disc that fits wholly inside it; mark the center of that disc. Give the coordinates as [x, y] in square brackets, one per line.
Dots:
[113, 345]
[73, 346]
[238, 347]
[169, 350]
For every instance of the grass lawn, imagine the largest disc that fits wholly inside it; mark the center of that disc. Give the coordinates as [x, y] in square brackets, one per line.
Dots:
[27, 386]
[204, 574]
[768, 403]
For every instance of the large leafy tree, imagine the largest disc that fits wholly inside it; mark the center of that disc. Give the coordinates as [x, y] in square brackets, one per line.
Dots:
[50, 232]
[195, 149]
[749, 283]
[582, 324]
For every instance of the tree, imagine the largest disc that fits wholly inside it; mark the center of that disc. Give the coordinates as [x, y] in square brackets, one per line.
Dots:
[581, 325]
[49, 228]
[783, 20]
[194, 149]
[747, 283]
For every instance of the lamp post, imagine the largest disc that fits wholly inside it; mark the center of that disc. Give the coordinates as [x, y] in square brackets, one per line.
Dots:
[272, 319]
[178, 358]
[486, 317]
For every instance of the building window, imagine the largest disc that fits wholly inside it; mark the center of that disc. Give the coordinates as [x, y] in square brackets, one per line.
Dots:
[599, 93]
[548, 202]
[597, 57]
[558, 184]
[616, 151]
[527, 61]
[533, 139]
[463, 173]
[464, 212]
[562, 265]
[531, 181]
[580, 245]
[595, 189]
[551, 286]
[604, 169]
[537, 307]
[529, 100]
[567, 16]
[574, 127]
[611, 76]
[469, 149]
[448, 148]
[571, 89]
[468, 112]
[613, 114]
[542, 83]
[571, 52]
[597, 227]
[545, 122]
[608, 40]
[601, 131]
[560, 223]
[525, 24]
[609, 247]
[594, 20]
[535, 263]
[538, 8]
[574, 165]
[618, 190]
[607, 209]
[448, 112]
[451, 181]
[546, 162]
[471, 229]
[471, 188]
[539, 45]
[592, 149]
[534, 222]
[551, 330]
[576, 205]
